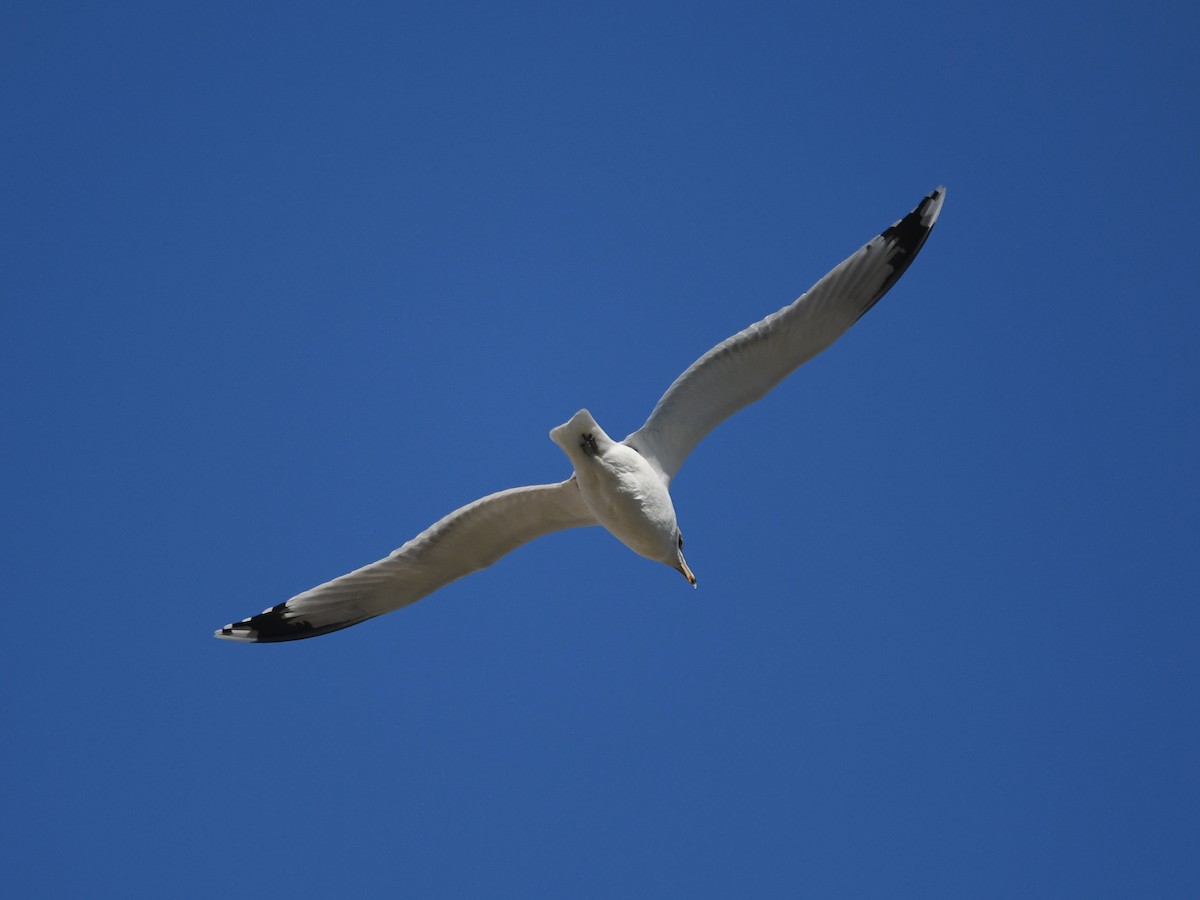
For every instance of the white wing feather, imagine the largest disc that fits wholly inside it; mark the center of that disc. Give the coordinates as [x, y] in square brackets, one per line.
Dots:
[470, 538]
[745, 367]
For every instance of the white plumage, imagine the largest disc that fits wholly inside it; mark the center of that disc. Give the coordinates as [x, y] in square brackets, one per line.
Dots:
[622, 485]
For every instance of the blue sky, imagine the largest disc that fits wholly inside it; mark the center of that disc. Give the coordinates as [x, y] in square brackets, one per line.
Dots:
[284, 283]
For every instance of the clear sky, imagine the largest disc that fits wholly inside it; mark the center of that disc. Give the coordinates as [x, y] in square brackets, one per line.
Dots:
[282, 284]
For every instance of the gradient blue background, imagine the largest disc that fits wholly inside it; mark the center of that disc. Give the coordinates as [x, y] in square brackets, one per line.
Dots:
[284, 283]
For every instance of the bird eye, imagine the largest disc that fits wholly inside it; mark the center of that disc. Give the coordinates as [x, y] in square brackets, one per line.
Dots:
[680, 541]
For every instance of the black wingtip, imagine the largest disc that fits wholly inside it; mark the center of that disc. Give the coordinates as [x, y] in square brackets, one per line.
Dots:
[275, 625]
[908, 235]
[904, 240]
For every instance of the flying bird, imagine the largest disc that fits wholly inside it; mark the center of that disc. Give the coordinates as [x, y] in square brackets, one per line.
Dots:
[622, 485]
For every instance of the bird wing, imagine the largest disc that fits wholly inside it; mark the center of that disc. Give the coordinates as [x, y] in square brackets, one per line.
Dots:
[743, 368]
[470, 538]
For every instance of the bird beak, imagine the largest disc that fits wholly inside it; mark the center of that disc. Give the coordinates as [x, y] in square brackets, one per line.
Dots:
[686, 570]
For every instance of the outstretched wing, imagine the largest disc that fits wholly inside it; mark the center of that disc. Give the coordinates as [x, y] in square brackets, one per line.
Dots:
[743, 368]
[469, 539]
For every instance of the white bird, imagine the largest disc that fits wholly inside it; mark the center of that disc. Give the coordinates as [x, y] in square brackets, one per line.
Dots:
[622, 485]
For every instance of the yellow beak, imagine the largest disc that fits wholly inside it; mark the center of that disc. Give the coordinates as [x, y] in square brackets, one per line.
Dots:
[686, 570]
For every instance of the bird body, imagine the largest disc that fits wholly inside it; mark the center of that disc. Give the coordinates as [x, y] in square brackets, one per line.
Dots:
[622, 485]
[625, 493]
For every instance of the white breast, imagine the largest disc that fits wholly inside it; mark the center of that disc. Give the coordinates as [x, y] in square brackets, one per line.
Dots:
[622, 490]
[630, 499]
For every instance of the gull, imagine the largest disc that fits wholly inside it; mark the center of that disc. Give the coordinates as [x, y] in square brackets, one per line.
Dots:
[622, 485]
